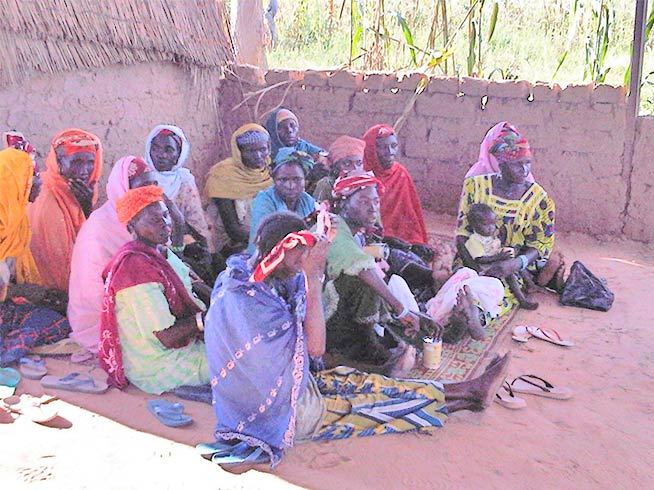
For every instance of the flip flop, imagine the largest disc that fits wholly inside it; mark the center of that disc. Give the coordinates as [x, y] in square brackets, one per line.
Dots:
[9, 378]
[200, 393]
[534, 385]
[83, 383]
[549, 335]
[507, 398]
[168, 413]
[32, 368]
[32, 407]
[220, 448]
[521, 334]
[251, 456]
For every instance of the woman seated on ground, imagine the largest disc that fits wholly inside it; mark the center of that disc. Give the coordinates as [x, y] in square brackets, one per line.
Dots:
[345, 157]
[286, 194]
[362, 298]
[284, 129]
[150, 325]
[73, 168]
[266, 322]
[98, 241]
[232, 185]
[23, 324]
[401, 211]
[525, 216]
[167, 150]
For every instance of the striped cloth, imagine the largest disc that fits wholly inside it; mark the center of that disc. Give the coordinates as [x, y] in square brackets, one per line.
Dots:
[360, 404]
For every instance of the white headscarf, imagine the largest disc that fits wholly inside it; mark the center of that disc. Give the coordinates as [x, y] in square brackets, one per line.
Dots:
[171, 180]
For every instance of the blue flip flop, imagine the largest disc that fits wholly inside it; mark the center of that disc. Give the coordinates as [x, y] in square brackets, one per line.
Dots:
[200, 393]
[221, 448]
[168, 413]
[251, 456]
[82, 382]
[9, 378]
[32, 368]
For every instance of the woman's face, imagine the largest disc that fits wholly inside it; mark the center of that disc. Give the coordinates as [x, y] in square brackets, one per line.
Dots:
[387, 147]
[77, 165]
[164, 152]
[289, 182]
[362, 207]
[152, 225]
[146, 178]
[255, 155]
[516, 171]
[288, 131]
[292, 263]
[345, 166]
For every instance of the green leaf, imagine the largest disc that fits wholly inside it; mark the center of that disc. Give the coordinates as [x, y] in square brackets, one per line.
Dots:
[561, 60]
[408, 36]
[493, 21]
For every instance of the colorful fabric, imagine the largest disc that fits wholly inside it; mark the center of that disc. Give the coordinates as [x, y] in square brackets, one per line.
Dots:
[506, 152]
[401, 211]
[346, 186]
[344, 147]
[276, 256]
[483, 246]
[56, 216]
[231, 179]
[16, 173]
[97, 242]
[276, 143]
[284, 114]
[141, 312]
[268, 202]
[136, 263]
[346, 255]
[257, 356]
[287, 155]
[24, 326]
[16, 139]
[136, 200]
[360, 404]
[487, 163]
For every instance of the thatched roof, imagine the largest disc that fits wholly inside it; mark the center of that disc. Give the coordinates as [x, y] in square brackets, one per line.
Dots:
[49, 36]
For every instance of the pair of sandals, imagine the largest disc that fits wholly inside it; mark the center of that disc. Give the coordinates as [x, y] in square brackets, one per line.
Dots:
[230, 453]
[524, 333]
[35, 409]
[532, 385]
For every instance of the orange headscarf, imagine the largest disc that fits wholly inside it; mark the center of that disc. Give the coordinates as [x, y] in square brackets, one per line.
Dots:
[56, 216]
[16, 172]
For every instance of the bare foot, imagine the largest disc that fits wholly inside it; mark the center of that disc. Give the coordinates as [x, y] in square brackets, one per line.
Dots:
[467, 313]
[527, 304]
[405, 362]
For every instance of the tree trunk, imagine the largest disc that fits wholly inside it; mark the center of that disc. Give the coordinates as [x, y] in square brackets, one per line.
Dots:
[249, 32]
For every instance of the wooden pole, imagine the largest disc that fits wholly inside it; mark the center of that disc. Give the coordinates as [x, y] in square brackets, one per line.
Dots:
[640, 21]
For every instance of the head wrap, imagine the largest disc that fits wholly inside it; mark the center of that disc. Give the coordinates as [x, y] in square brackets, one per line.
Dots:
[231, 179]
[370, 158]
[136, 200]
[123, 170]
[271, 125]
[487, 163]
[507, 150]
[76, 142]
[171, 180]
[251, 136]
[346, 146]
[346, 186]
[284, 114]
[290, 155]
[276, 256]
[137, 167]
[168, 132]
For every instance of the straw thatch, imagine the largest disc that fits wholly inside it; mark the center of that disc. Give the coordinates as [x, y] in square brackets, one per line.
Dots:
[50, 36]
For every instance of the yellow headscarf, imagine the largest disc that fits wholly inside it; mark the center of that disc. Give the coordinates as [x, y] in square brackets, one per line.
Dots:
[16, 171]
[231, 179]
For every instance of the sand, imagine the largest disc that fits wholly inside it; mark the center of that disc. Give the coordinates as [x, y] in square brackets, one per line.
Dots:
[602, 438]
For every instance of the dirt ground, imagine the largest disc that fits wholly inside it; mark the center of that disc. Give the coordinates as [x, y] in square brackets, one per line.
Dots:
[601, 438]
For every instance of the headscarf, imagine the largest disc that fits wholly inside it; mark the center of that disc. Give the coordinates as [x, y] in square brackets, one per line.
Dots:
[16, 139]
[506, 152]
[346, 186]
[171, 180]
[16, 171]
[271, 125]
[97, 242]
[56, 216]
[136, 200]
[487, 163]
[400, 209]
[346, 146]
[276, 256]
[231, 179]
[288, 155]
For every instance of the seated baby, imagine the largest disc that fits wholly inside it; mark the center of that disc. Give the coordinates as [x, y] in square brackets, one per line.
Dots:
[485, 248]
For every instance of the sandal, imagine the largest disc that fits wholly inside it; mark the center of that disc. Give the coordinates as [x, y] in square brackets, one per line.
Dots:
[32, 368]
[83, 383]
[32, 407]
[533, 385]
[168, 413]
[506, 397]
[523, 333]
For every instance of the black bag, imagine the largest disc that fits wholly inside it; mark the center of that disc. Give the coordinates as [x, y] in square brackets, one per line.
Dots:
[584, 290]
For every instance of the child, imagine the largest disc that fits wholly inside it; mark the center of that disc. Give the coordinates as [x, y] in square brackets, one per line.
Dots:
[485, 247]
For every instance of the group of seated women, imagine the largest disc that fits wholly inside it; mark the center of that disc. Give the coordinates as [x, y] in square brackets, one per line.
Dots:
[317, 259]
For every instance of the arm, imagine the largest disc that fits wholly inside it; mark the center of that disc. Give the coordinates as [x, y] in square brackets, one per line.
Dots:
[313, 264]
[179, 224]
[262, 206]
[179, 334]
[463, 252]
[227, 210]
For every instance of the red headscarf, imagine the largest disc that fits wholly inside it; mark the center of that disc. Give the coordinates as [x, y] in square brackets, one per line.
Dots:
[276, 256]
[401, 211]
[509, 150]
[135, 200]
[346, 186]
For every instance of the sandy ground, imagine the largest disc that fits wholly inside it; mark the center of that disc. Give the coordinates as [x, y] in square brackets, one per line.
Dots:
[602, 438]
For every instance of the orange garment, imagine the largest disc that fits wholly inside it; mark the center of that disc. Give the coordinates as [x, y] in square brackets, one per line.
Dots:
[16, 171]
[56, 216]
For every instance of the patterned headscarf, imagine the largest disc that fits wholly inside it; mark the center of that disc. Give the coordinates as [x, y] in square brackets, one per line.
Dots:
[136, 200]
[509, 148]
[276, 256]
[304, 160]
[346, 186]
[75, 142]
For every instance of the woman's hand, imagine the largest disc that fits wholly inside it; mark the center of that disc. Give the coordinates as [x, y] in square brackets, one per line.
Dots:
[314, 260]
[175, 214]
[83, 193]
[501, 269]
[411, 324]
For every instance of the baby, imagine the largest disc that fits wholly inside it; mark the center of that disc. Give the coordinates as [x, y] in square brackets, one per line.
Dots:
[485, 248]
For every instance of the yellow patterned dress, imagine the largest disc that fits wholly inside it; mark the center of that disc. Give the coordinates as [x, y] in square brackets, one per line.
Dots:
[524, 222]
